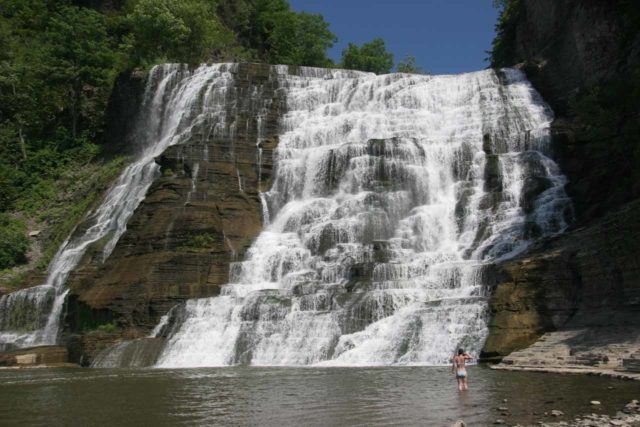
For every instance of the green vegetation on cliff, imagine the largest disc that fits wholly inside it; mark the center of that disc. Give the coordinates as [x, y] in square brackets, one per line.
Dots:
[13, 241]
[503, 46]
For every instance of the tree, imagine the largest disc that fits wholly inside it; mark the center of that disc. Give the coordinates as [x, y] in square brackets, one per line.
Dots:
[372, 57]
[408, 65]
[80, 55]
[300, 39]
[176, 31]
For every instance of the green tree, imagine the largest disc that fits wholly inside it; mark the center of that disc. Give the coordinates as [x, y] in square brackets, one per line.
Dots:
[300, 39]
[372, 57]
[80, 57]
[176, 30]
[408, 65]
[14, 242]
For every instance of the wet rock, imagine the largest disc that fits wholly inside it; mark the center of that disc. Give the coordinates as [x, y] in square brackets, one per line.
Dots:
[556, 413]
[595, 402]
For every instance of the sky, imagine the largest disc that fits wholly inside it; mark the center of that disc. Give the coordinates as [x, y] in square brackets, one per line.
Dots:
[445, 36]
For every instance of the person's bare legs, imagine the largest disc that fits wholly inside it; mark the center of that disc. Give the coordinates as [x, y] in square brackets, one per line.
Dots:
[460, 383]
[465, 386]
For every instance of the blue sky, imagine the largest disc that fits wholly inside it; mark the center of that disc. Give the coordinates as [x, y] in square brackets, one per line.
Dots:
[445, 36]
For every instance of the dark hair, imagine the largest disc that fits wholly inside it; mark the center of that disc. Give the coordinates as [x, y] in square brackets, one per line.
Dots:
[460, 352]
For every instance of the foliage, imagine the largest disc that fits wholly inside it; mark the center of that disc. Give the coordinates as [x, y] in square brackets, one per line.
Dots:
[201, 241]
[107, 328]
[14, 242]
[278, 35]
[176, 31]
[408, 65]
[301, 39]
[80, 56]
[372, 57]
[503, 46]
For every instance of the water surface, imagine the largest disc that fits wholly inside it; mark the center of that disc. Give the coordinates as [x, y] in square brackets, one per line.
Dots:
[296, 396]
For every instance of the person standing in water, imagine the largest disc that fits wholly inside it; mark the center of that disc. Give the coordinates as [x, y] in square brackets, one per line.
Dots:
[460, 370]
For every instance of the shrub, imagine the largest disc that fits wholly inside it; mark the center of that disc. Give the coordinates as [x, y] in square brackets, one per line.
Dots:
[107, 328]
[14, 242]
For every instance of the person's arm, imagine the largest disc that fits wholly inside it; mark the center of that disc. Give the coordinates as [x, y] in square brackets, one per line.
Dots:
[467, 356]
[453, 365]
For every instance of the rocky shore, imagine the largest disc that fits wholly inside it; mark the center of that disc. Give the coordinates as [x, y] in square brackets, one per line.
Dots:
[628, 417]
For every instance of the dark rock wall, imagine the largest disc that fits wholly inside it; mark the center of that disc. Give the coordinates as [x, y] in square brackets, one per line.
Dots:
[567, 48]
[591, 275]
[122, 114]
[194, 221]
[567, 45]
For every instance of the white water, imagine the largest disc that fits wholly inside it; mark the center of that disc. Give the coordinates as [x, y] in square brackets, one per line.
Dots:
[380, 223]
[172, 107]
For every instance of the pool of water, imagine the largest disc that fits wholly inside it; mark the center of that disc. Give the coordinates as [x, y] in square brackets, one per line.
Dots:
[297, 396]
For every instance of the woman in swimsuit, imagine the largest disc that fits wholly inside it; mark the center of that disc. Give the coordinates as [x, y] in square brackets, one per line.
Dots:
[460, 370]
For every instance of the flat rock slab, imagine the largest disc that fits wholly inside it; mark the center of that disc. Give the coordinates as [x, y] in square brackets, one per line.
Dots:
[589, 350]
[35, 356]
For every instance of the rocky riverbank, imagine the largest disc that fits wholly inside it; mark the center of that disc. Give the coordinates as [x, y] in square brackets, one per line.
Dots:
[628, 417]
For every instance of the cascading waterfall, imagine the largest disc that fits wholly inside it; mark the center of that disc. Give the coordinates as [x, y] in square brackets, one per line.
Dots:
[172, 107]
[391, 196]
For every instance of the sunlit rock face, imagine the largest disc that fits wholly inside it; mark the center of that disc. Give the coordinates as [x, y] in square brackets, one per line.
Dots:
[391, 196]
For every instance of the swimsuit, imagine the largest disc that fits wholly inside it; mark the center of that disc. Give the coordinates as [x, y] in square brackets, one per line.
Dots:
[461, 370]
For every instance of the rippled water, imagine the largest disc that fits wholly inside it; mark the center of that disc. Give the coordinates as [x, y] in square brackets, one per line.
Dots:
[295, 396]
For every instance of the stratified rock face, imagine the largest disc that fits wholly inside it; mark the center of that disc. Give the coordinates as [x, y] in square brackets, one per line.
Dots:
[587, 280]
[202, 213]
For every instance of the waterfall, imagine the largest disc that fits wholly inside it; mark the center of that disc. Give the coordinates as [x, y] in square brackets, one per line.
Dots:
[391, 197]
[173, 105]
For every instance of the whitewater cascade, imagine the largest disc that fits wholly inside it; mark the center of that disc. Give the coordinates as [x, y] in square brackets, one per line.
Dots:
[392, 196]
[169, 113]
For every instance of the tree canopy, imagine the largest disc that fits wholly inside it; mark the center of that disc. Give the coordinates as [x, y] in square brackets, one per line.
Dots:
[409, 65]
[371, 56]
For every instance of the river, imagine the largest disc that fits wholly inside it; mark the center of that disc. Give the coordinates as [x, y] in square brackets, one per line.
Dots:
[296, 396]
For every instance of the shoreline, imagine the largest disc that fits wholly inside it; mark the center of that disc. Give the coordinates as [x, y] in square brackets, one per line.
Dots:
[621, 375]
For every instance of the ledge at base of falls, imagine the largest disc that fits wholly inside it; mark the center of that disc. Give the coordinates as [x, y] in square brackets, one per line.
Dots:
[573, 302]
[209, 189]
[44, 356]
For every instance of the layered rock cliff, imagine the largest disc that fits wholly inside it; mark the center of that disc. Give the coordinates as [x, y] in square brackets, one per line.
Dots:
[584, 284]
[202, 213]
